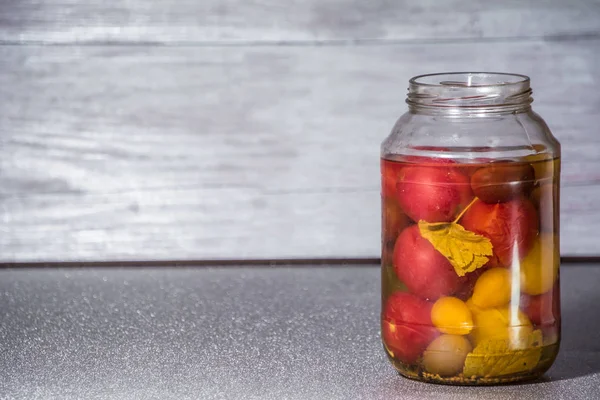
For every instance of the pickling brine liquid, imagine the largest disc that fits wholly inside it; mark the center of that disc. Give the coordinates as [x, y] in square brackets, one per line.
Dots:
[470, 268]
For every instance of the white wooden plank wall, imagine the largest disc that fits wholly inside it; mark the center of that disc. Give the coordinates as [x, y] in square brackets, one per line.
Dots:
[161, 130]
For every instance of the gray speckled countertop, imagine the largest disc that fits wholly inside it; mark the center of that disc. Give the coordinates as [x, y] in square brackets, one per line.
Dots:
[240, 333]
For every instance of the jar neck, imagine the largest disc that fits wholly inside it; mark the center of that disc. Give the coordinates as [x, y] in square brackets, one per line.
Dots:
[469, 93]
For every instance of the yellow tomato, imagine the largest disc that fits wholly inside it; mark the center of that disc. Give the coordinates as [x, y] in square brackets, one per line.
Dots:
[539, 268]
[451, 315]
[502, 323]
[474, 309]
[492, 288]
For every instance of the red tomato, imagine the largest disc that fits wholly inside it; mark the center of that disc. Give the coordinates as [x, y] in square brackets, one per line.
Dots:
[406, 327]
[423, 269]
[433, 194]
[505, 224]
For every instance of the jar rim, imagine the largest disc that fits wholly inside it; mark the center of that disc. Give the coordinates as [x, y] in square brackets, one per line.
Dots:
[456, 93]
[420, 80]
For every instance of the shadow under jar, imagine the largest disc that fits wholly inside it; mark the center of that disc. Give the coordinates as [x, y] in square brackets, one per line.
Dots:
[470, 235]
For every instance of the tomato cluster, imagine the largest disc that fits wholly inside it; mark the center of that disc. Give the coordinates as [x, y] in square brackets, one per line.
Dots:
[439, 316]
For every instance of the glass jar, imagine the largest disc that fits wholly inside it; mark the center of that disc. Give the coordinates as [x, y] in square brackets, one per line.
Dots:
[470, 233]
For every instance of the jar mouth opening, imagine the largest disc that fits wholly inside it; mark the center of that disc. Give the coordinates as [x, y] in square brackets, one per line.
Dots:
[469, 79]
[457, 92]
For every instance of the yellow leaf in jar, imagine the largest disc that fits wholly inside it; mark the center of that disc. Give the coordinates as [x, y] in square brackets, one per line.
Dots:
[493, 358]
[465, 250]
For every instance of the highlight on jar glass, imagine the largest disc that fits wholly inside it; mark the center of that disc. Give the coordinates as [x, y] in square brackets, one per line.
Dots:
[470, 233]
